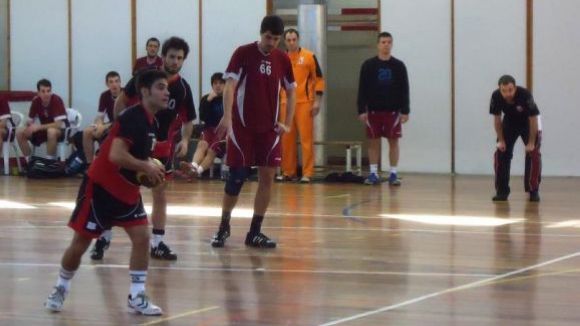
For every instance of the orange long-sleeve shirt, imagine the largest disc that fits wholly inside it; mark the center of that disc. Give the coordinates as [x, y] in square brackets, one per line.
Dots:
[307, 74]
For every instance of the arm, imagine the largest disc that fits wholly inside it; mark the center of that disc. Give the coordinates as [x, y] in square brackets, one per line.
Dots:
[119, 155]
[499, 132]
[319, 84]
[362, 94]
[226, 121]
[405, 94]
[183, 145]
[120, 104]
[531, 145]
[290, 106]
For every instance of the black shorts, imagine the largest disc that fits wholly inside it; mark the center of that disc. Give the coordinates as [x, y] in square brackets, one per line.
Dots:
[97, 210]
[41, 136]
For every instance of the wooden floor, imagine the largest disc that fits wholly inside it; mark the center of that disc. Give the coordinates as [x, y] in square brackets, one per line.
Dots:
[435, 251]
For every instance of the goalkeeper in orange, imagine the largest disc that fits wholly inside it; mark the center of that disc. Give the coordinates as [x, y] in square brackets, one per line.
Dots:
[309, 93]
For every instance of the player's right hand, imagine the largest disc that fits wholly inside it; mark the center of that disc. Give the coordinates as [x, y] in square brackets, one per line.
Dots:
[501, 146]
[363, 117]
[223, 127]
[154, 171]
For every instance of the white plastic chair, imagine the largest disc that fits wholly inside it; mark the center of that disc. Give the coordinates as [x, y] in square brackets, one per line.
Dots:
[17, 119]
[74, 118]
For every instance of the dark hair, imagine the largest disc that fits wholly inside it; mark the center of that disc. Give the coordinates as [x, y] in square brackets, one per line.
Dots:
[146, 78]
[384, 34]
[176, 43]
[111, 74]
[152, 39]
[218, 76]
[291, 30]
[506, 79]
[272, 24]
[43, 82]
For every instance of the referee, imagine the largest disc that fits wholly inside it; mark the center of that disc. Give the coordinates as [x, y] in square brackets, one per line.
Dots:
[521, 118]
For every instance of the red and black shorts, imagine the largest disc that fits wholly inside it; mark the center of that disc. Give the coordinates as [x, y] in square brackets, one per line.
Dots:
[246, 148]
[40, 137]
[215, 143]
[384, 124]
[97, 210]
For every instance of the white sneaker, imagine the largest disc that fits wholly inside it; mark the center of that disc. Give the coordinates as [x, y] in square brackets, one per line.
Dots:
[141, 305]
[55, 300]
[305, 180]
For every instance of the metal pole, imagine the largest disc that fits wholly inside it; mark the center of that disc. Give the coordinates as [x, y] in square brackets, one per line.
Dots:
[312, 28]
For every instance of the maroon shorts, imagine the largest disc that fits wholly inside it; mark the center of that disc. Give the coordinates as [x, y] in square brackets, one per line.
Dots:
[216, 144]
[384, 124]
[246, 148]
[41, 136]
[97, 210]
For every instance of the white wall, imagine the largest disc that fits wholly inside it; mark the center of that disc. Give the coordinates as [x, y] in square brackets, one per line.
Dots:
[557, 83]
[39, 44]
[226, 25]
[97, 48]
[163, 19]
[421, 38]
[4, 55]
[489, 42]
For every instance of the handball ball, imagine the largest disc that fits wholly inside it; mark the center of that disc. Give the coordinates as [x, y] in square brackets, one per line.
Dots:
[144, 179]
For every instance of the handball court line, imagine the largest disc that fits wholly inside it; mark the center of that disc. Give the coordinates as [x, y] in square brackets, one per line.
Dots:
[467, 286]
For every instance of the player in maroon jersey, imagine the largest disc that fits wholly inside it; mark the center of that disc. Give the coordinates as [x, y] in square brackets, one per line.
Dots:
[104, 119]
[49, 109]
[254, 77]
[110, 196]
[151, 60]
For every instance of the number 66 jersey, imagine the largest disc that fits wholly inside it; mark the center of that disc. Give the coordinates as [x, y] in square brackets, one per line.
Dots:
[260, 78]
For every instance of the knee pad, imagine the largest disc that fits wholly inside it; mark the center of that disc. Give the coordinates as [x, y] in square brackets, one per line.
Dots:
[235, 181]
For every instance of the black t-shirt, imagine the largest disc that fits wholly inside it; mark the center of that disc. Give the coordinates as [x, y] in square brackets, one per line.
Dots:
[181, 108]
[517, 113]
[211, 112]
[383, 86]
[137, 127]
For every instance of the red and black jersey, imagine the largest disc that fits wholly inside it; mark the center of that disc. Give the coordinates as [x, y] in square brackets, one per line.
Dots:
[107, 104]
[179, 111]
[55, 110]
[143, 64]
[137, 127]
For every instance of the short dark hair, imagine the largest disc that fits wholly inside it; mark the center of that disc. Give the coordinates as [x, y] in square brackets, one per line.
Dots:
[218, 76]
[146, 78]
[111, 74]
[152, 39]
[383, 34]
[291, 30]
[43, 82]
[506, 79]
[273, 24]
[176, 43]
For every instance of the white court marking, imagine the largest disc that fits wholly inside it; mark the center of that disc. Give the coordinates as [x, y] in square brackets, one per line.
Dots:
[449, 290]
[251, 270]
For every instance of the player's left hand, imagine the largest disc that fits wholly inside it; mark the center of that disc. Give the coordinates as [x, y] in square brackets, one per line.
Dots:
[530, 148]
[404, 118]
[182, 147]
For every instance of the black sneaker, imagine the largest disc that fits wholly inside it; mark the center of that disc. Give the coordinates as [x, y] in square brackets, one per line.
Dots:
[500, 197]
[219, 239]
[99, 249]
[163, 252]
[534, 196]
[259, 240]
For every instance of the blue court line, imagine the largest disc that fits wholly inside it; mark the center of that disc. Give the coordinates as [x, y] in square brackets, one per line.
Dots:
[347, 211]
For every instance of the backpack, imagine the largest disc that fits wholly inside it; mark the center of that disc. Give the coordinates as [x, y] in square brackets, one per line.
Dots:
[43, 168]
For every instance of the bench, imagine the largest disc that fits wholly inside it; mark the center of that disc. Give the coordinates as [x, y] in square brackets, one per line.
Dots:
[349, 145]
